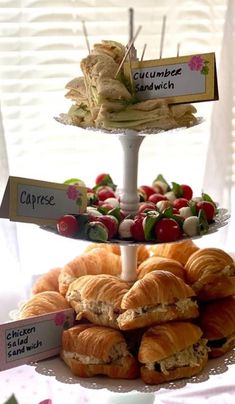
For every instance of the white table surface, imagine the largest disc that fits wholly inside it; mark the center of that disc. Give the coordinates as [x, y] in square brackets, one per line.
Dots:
[51, 379]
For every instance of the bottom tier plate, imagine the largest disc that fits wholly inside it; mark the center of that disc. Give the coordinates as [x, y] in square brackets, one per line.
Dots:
[55, 367]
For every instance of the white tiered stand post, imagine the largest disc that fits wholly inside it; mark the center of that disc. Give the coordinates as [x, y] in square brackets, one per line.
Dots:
[129, 199]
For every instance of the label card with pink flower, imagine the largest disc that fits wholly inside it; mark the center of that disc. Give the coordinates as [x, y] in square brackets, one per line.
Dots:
[41, 202]
[33, 339]
[180, 79]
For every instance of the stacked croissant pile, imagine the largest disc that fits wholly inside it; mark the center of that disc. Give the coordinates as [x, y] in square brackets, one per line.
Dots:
[105, 98]
[164, 326]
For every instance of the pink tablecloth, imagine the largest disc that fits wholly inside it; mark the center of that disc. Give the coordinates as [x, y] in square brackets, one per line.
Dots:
[51, 379]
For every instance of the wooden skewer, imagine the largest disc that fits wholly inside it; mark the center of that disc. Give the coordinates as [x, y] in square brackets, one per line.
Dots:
[131, 15]
[86, 36]
[143, 52]
[162, 35]
[130, 67]
[178, 49]
[128, 50]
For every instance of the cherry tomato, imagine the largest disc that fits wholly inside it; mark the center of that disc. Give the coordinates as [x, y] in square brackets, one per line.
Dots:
[145, 206]
[167, 230]
[148, 190]
[111, 223]
[105, 193]
[208, 208]
[155, 198]
[67, 225]
[180, 203]
[187, 191]
[105, 179]
[137, 229]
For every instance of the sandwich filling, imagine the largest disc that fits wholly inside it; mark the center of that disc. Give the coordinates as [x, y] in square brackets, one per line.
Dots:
[228, 270]
[222, 342]
[182, 306]
[106, 312]
[117, 353]
[191, 356]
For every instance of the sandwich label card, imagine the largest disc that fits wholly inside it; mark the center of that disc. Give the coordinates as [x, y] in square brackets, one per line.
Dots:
[180, 79]
[33, 339]
[41, 202]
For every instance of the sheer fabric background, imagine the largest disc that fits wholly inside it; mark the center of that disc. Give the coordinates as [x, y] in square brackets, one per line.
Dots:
[49, 45]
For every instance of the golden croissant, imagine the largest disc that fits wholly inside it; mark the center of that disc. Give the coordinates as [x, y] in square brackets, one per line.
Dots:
[158, 297]
[160, 263]
[91, 350]
[172, 351]
[47, 281]
[43, 303]
[217, 322]
[180, 251]
[142, 251]
[211, 273]
[96, 261]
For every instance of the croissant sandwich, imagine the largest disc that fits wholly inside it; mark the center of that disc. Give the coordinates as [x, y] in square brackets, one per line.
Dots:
[91, 350]
[43, 303]
[93, 262]
[172, 351]
[142, 251]
[217, 321]
[180, 251]
[47, 281]
[158, 297]
[160, 263]
[97, 298]
[211, 273]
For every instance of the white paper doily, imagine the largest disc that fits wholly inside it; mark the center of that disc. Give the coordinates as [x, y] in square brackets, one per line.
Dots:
[55, 367]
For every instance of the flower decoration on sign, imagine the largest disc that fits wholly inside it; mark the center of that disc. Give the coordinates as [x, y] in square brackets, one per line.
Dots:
[47, 401]
[197, 63]
[59, 319]
[75, 194]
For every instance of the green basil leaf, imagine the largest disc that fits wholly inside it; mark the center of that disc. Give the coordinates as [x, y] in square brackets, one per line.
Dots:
[203, 223]
[177, 189]
[206, 197]
[193, 207]
[149, 224]
[11, 400]
[116, 212]
[162, 179]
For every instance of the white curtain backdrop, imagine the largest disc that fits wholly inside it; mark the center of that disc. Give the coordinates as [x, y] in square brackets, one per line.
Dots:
[219, 169]
[11, 288]
[40, 50]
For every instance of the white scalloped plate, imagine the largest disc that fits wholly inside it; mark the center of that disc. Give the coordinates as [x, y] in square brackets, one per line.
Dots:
[122, 131]
[57, 368]
[221, 220]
